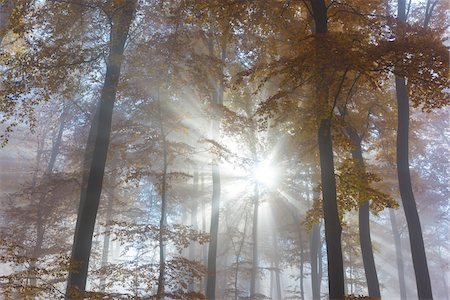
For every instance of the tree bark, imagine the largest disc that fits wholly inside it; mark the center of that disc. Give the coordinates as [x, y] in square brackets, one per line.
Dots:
[107, 236]
[365, 240]
[215, 204]
[302, 264]
[315, 246]
[409, 204]
[163, 220]
[404, 178]
[99, 137]
[314, 251]
[398, 254]
[58, 139]
[194, 223]
[255, 259]
[331, 216]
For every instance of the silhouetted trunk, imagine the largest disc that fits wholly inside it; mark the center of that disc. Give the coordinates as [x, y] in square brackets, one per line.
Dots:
[278, 279]
[107, 235]
[315, 246]
[404, 178]
[40, 232]
[314, 251]
[398, 254]
[203, 209]
[302, 264]
[409, 203]
[238, 259]
[331, 217]
[215, 204]
[370, 270]
[95, 161]
[58, 138]
[163, 220]
[255, 259]
[194, 224]
[320, 259]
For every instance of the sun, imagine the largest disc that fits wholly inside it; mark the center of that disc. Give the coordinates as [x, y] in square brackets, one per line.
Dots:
[265, 173]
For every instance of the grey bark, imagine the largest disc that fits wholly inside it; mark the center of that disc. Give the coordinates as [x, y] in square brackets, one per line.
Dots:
[365, 240]
[404, 178]
[333, 228]
[163, 220]
[398, 254]
[98, 143]
[215, 203]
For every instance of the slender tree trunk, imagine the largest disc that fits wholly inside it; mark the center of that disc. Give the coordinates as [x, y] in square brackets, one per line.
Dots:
[203, 209]
[107, 236]
[238, 257]
[215, 204]
[194, 223]
[99, 137]
[278, 280]
[302, 289]
[272, 286]
[331, 216]
[58, 139]
[320, 259]
[314, 251]
[40, 232]
[255, 259]
[409, 204]
[398, 254]
[315, 244]
[404, 178]
[370, 270]
[163, 220]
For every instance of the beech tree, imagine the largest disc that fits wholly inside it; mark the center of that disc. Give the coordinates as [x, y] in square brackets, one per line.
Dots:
[254, 121]
[97, 149]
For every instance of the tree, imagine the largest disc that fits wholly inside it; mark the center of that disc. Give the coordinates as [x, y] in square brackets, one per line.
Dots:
[404, 177]
[217, 101]
[97, 150]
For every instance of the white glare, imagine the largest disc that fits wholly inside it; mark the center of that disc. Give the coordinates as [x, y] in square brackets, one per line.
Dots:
[265, 173]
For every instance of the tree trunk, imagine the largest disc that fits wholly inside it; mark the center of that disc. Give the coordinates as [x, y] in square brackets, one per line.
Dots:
[57, 141]
[40, 232]
[194, 223]
[331, 216]
[238, 259]
[404, 178]
[314, 251]
[315, 245]
[95, 161]
[255, 259]
[409, 204]
[370, 270]
[398, 254]
[107, 236]
[302, 290]
[163, 221]
[215, 204]
[277, 272]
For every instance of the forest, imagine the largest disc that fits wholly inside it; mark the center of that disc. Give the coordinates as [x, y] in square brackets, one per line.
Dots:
[224, 149]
